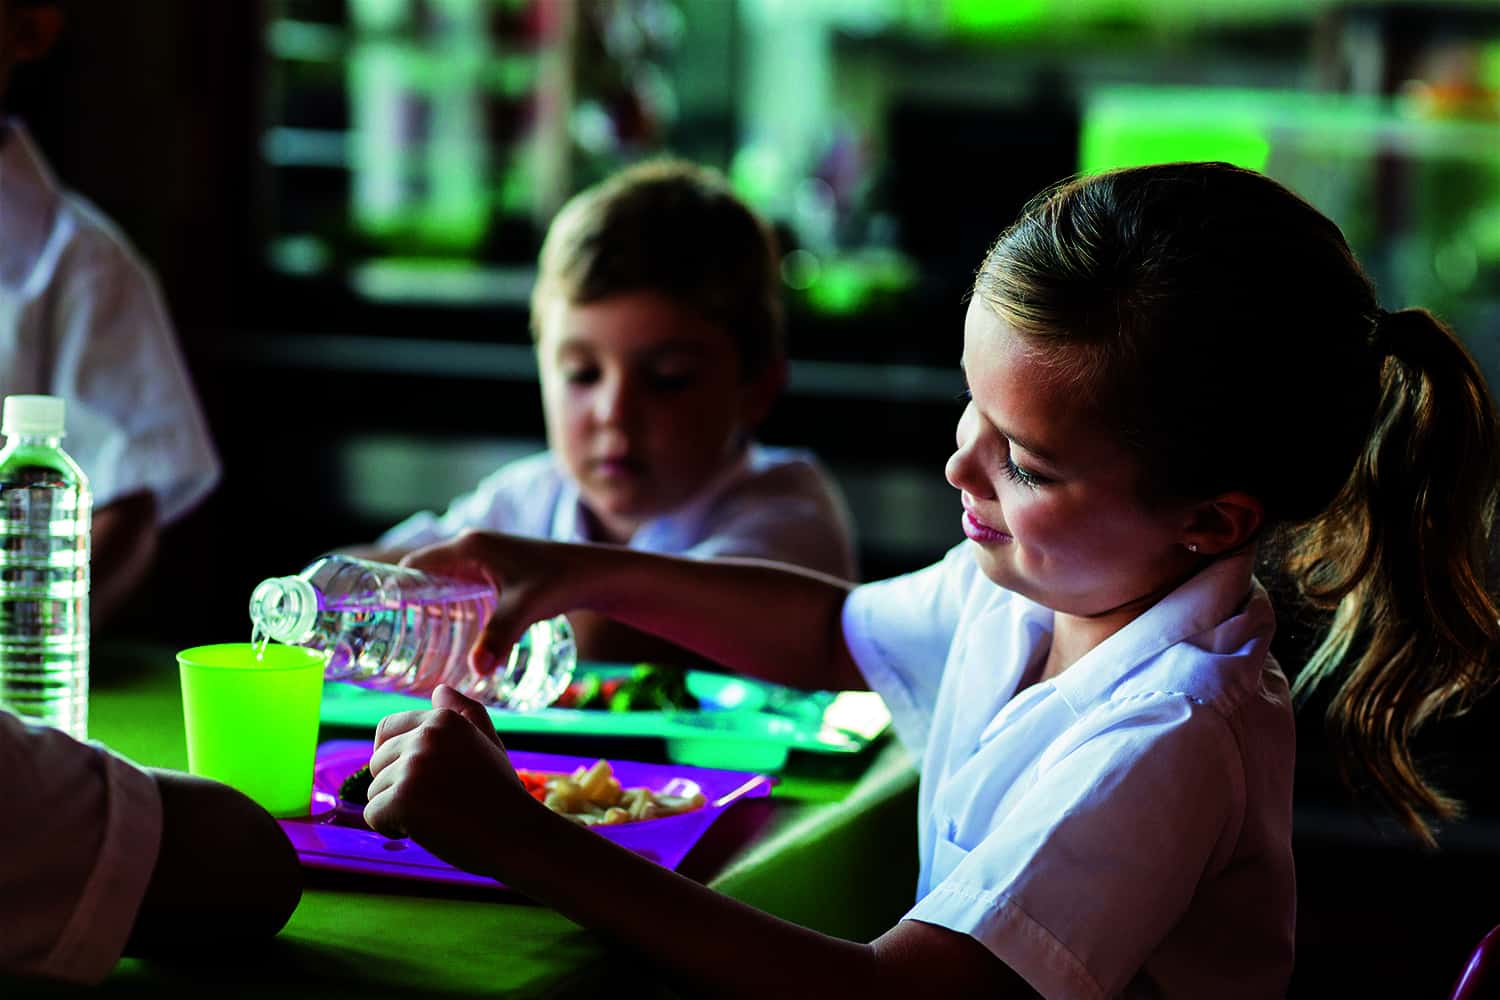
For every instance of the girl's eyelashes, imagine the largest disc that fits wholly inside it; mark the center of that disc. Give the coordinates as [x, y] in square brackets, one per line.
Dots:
[581, 375]
[1009, 468]
[1016, 474]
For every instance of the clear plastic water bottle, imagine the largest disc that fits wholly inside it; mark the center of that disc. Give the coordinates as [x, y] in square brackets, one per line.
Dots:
[45, 513]
[391, 628]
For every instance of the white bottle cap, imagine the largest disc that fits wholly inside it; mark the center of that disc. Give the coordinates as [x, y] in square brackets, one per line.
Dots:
[38, 416]
[285, 608]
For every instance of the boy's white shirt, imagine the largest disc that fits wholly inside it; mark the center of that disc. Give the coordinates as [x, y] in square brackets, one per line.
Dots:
[81, 828]
[1121, 829]
[773, 503]
[81, 317]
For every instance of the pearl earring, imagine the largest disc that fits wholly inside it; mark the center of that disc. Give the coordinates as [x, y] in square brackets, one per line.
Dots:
[1193, 547]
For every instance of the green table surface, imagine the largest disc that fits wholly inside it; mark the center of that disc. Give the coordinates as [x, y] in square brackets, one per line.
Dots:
[833, 849]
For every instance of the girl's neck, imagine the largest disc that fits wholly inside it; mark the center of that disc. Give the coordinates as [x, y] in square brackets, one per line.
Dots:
[1074, 635]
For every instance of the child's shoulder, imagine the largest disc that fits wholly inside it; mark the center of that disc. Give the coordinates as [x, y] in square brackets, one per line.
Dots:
[530, 476]
[762, 460]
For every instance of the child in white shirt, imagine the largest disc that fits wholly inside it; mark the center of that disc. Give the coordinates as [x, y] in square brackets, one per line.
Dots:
[81, 317]
[659, 341]
[99, 857]
[1106, 744]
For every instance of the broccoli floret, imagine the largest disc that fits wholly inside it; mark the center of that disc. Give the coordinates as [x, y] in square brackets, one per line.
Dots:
[355, 789]
[653, 687]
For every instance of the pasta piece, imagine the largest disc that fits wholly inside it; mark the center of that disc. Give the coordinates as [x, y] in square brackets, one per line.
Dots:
[593, 796]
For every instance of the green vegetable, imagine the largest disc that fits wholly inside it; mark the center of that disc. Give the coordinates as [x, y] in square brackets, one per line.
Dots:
[653, 687]
[355, 789]
[590, 693]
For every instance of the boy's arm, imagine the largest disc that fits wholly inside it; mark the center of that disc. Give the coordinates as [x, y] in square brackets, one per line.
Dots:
[767, 620]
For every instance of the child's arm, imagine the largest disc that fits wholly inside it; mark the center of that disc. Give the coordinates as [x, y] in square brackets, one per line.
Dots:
[602, 639]
[776, 622]
[225, 874]
[442, 777]
[598, 637]
[374, 553]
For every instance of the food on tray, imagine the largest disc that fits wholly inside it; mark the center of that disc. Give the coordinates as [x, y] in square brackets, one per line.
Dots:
[594, 797]
[591, 796]
[650, 687]
[355, 789]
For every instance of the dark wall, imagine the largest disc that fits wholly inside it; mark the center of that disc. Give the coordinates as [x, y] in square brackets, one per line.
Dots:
[149, 109]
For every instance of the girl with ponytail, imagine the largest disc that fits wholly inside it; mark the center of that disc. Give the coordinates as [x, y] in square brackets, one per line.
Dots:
[1244, 350]
[1173, 370]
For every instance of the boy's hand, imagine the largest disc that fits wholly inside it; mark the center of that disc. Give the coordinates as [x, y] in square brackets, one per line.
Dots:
[528, 575]
[442, 778]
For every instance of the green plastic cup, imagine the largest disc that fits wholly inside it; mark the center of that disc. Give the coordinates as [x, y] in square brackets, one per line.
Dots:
[253, 723]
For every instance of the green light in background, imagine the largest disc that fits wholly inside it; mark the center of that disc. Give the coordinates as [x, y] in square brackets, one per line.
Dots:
[800, 270]
[997, 17]
[379, 15]
[758, 173]
[440, 279]
[1134, 129]
[421, 159]
[1488, 73]
[300, 254]
[516, 189]
[842, 285]
[382, 77]
[1456, 263]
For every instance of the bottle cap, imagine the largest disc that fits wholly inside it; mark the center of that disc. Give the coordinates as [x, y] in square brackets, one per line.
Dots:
[284, 608]
[39, 416]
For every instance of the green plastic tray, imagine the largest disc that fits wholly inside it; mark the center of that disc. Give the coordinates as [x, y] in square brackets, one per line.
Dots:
[742, 723]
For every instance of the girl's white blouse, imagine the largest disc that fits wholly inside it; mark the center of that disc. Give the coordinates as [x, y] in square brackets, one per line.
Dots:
[1121, 829]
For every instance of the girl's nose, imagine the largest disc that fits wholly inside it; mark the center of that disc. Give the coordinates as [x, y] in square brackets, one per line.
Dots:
[963, 468]
[956, 470]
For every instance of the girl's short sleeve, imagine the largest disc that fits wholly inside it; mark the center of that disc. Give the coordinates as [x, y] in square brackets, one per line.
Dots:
[900, 631]
[1099, 858]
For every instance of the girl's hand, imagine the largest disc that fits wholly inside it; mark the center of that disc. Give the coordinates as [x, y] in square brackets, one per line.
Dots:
[531, 579]
[442, 777]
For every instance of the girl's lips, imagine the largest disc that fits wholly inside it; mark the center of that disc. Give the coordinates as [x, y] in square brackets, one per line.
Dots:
[977, 531]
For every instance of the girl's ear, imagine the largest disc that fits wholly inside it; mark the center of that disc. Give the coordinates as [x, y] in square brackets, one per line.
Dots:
[760, 394]
[1223, 524]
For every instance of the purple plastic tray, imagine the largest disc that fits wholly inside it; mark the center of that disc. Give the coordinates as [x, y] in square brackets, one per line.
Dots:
[335, 837]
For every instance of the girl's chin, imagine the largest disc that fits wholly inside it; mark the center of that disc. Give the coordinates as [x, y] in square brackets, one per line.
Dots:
[995, 563]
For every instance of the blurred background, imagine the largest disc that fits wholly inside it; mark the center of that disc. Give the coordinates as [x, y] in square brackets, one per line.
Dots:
[344, 199]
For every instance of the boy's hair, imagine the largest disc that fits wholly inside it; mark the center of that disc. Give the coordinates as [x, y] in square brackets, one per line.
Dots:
[1222, 327]
[675, 228]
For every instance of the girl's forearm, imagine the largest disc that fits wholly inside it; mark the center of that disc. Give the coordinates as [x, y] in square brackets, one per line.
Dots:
[712, 944]
[776, 622]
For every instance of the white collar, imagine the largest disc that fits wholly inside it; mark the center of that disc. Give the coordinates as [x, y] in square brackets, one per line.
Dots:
[1221, 604]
